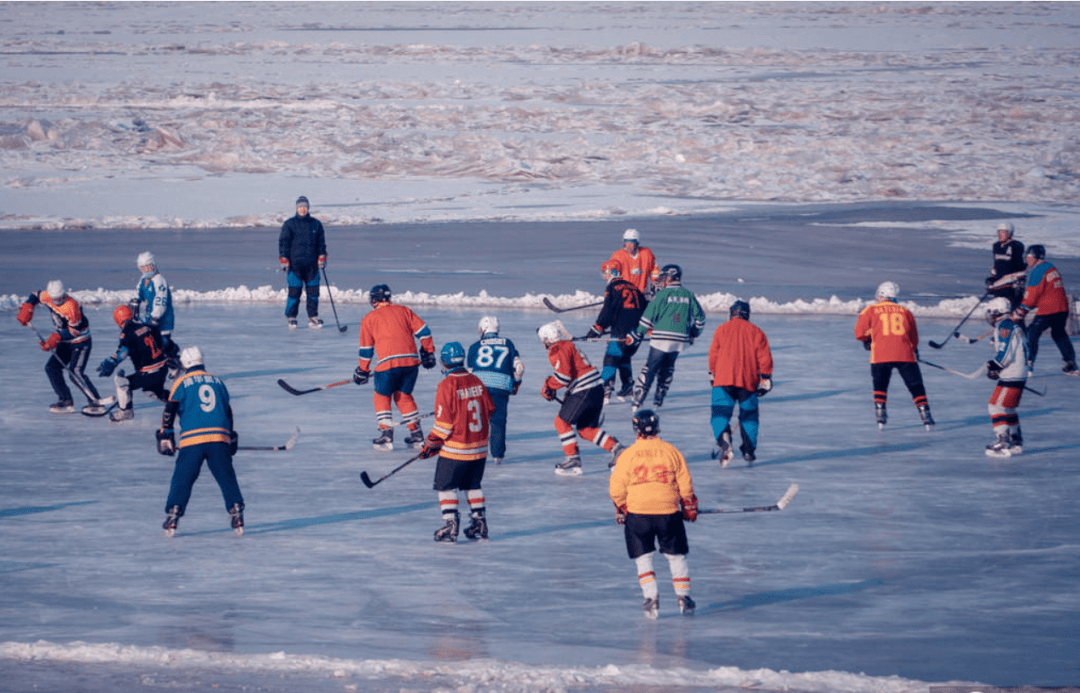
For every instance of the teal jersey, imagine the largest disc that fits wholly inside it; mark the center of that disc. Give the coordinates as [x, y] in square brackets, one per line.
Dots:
[202, 403]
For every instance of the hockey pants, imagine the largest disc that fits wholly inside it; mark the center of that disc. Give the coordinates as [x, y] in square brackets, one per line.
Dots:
[724, 399]
[908, 370]
[188, 463]
[297, 285]
[72, 358]
[1003, 403]
[1055, 322]
[152, 382]
[582, 410]
[395, 385]
[659, 365]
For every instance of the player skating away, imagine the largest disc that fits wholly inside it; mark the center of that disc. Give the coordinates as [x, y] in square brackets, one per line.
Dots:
[653, 493]
[302, 252]
[637, 264]
[70, 344]
[153, 291]
[740, 365]
[496, 362]
[1045, 295]
[584, 401]
[463, 409]
[1008, 274]
[673, 319]
[388, 337]
[143, 344]
[1009, 368]
[621, 313]
[888, 332]
[199, 404]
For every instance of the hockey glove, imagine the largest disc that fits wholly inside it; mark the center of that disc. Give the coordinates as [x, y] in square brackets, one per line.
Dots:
[517, 386]
[106, 367]
[51, 343]
[284, 264]
[866, 344]
[427, 359]
[234, 442]
[166, 444]
[360, 377]
[993, 369]
[764, 386]
[431, 449]
[689, 508]
[620, 514]
[322, 262]
[547, 393]
[26, 313]
[594, 333]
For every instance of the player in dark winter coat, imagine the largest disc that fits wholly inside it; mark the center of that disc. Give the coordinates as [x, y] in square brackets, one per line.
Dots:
[495, 361]
[1007, 276]
[199, 402]
[70, 344]
[302, 252]
[1045, 294]
[621, 313]
[143, 344]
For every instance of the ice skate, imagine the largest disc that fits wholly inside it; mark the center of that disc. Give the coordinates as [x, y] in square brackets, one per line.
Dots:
[615, 452]
[171, 519]
[64, 406]
[882, 415]
[292, 323]
[658, 397]
[924, 412]
[1070, 368]
[726, 453]
[626, 391]
[686, 606]
[571, 466]
[651, 607]
[121, 415]
[477, 528]
[748, 455]
[609, 387]
[385, 441]
[448, 532]
[1000, 448]
[415, 439]
[314, 322]
[496, 460]
[236, 513]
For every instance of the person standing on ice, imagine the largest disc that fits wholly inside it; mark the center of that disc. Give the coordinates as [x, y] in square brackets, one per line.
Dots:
[496, 362]
[199, 404]
[302, 252]
[153, 290]
[463, 409]
[653, 493]
[1045, 295]
[888, 332]
[584, 401]
[673, 319]
[637, 264]
[388, 337]
[1007, 276]
[70, 344]
[740, 366]
[1008, 368]
[621, 313]
[144, 345]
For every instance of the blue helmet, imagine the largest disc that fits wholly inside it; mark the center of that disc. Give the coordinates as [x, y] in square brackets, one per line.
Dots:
[452, 355]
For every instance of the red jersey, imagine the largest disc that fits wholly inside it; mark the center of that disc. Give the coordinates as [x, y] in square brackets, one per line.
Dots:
[739, 355]
[1045, 291]
[572, 369]
[890, 329]
[463, 407]
[639, 270]
[390, 331]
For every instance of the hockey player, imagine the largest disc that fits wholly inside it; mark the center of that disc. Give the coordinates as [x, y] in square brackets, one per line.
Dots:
[1007, 276]
[153, 290]
[740, 365]
[459, 437]
[302, 252]
[199, 403]
[1009, 369]
[495, 361]
[70, 344]
[888, 332]
[387, 336]
[674, 319]
[584, 401]
[1045, 294]
[143, 344]
[637, 264]
[621, 313]
[653, 493]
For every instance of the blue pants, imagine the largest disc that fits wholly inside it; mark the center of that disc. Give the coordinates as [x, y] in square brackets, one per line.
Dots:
[617, 360]
[298, 283]
[188, 463]
[724, 399]
[1055, 322]
[497, 423]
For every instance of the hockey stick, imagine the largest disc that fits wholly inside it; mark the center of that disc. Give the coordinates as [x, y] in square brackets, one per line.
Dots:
[36, 333]
[341, 328]
[972, 340]
[287, 446]
[956, 330]
[104, 412]
[780, 504]
[293, 391]
[975, 374]
[369, 483]
[422, 416]
[552, 306]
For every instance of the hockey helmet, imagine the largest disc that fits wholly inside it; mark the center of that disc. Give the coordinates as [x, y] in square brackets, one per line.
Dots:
[380, 293]
[452, 355]
[489, 324]
[56, 290]
[646, 422]
[888, 290]
[1007, 227]
[997, 307]
[1036, 251]
[610, 270]
[740, 309]
[548, 334]
[631, 235]
[671, 274]
[122, 314]
[145, 259]
[190, 357]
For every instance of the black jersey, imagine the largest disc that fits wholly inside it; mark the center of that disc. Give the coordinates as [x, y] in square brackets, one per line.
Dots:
[623, 306]
[143, 345]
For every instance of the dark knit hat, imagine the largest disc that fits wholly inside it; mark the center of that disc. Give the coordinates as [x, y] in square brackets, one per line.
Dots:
[302, 202]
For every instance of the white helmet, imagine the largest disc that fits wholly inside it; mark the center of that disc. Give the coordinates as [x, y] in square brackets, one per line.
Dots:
[144, 259]
[550, 333]
[191, 356]
[56, 290]
[887, 290]
[997, 307]
[631, 235]
[1006, 226]
[489, 324]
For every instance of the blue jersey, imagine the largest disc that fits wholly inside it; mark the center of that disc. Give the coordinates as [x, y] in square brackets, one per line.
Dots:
[154, 292]
[495, 361]
[202, 403]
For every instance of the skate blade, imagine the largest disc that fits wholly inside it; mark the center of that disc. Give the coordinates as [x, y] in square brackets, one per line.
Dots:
[239, 531]
[726, 459]
[169, 533]
[998, 454]
[388, 447]
[569, 472]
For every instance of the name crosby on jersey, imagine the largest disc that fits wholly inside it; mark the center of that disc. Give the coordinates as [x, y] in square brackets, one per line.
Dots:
[471, 392]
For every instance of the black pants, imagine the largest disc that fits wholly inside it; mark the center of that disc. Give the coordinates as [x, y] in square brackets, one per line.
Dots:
[1055, 322]
[72, 358]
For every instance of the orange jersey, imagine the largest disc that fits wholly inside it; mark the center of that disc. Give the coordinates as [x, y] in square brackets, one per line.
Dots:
[890, 329]
[463, 407]
[639, 270]
[739, 355]
[67, 316]
[650, 477]
[572, 369]
[390, 331]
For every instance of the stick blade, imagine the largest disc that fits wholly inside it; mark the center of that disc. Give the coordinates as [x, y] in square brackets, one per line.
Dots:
[292, 441]
[934, 344]
[552, 306]
[290, 389]
[366, 479]
[786, 499]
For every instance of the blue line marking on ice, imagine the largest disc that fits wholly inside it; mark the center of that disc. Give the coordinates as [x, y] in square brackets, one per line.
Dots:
[31, 509]
[763, 598]
[16, 566]
[268, 372]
